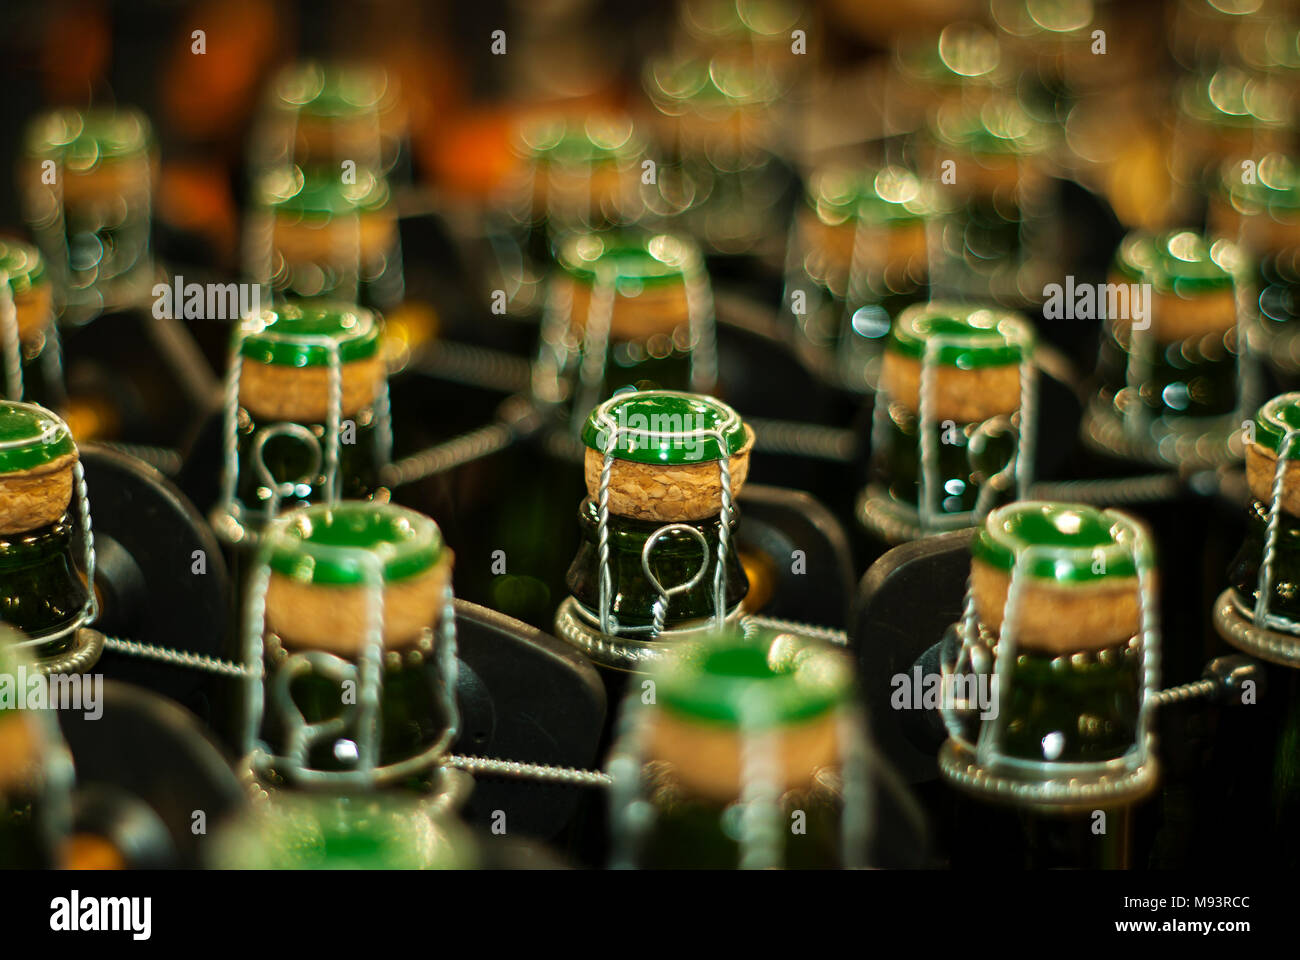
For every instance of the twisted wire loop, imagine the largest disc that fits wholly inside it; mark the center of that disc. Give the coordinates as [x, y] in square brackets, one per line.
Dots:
[334, 418]
[1265, 583]
[1184, 692]
[442, 457]
[811, 630]
[177, 658]
[550, 773]
[477, 367]
[608, 622]
[811, 440]
[724, 535]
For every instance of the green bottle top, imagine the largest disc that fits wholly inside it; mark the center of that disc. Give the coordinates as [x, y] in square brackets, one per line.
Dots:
[31, 437]
[366, 832]
[1187, 264]
[319, 193]
[297, 334]
[79, 140]
[1236, 99]
[890, 196]
[1274, 419]
[665, 427]
[598, 140]
[1073, 543]
[632, 261]
[970, 336]
[336, 545]
[683, 83]
[1135, 256]
[1276, 186]
[334, 91]
[23, 265]
[999, 127]
[729, 681]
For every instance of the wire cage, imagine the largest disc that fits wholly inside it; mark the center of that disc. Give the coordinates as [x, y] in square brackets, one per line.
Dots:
[87, 181]
[975, 756]
[748, 686]
[68, 646]
[236, 521]
[302, 542]
[947, 336]
[1254, 613]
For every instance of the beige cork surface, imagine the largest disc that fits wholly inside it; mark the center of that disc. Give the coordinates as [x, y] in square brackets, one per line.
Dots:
[312, 241]
[335, 619]
[1174, 318]
[963, 396]
[1261, 467]
[1060, 619]
[277, 392]
[34, 498]
[659, 308]
[900, 247]
[707, 759]
[648, 491]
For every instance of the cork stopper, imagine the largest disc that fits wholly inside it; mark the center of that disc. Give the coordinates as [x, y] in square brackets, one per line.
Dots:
[339, 109]
[1272, 422]
[1080, 591]
[30, 287]
[37, 455]
[712, 696]
[322, 560]
[665, 454]
[582, 170]
[976, 354]
[1193, 286]
[648, 274]
[103, 154]
[286, 355]
[887, 207]
[318, 218]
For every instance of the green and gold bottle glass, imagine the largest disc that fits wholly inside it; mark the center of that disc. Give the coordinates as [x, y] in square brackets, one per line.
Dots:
[29, 339]
[1050, 676]
[658, 556]
[953, 422]
[741, 754]
[862, 258]
[998, 240]
[87, 181]
[306, 416]
[625, 310]
[325, 232]
[350, 611]
[46, 557]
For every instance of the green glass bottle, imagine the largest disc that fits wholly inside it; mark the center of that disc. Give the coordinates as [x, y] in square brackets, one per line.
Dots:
[325, 232]
[29, 340]
[998, 240]
[649, 571]
[87, 181]
[286, 415]
[344, 698]
[865, 257]
[626, 310]
[974, 360]
[342, 832]
[42, 589]
[741, 753]
[1056, 724]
